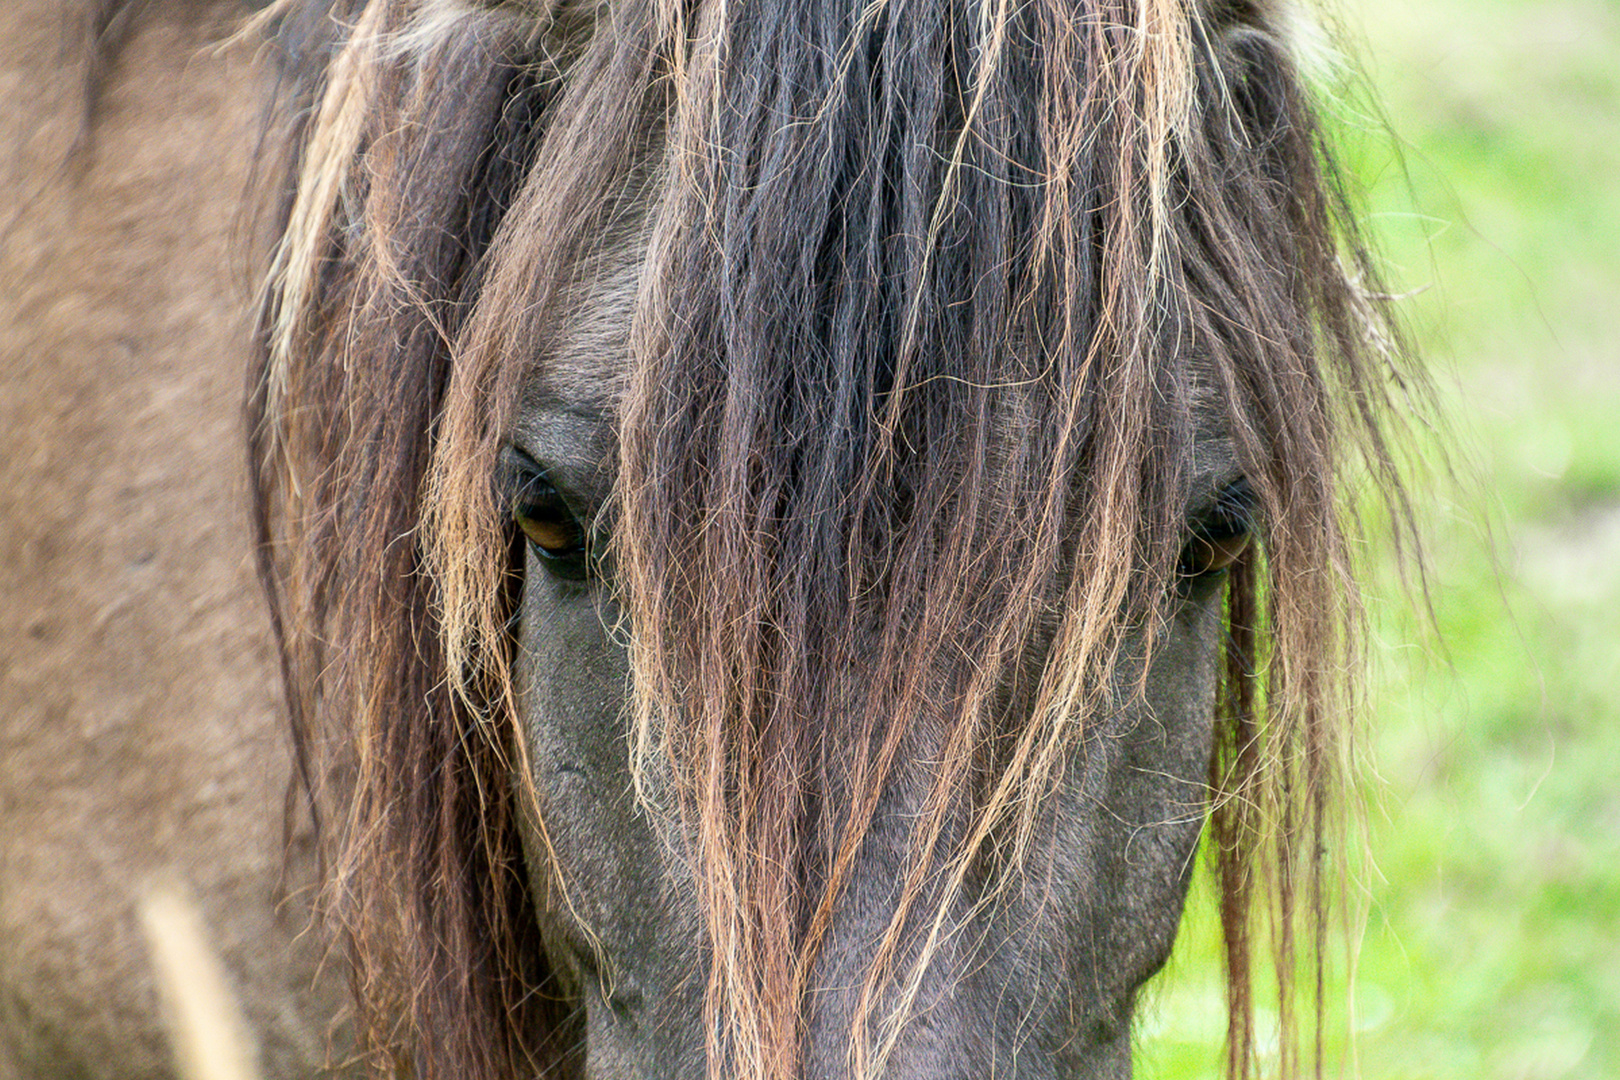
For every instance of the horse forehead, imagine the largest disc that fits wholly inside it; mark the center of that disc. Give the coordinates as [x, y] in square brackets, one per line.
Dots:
[572, 398]
[586, 369]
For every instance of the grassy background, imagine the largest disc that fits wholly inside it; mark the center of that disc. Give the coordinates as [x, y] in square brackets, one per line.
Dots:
[1492, 944]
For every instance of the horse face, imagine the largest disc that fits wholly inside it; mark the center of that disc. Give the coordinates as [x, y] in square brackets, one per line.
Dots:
[1039, 982]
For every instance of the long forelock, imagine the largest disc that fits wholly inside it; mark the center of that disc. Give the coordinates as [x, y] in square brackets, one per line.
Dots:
[959, 399]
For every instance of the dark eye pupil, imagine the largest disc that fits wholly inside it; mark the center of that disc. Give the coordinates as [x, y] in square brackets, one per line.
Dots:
[554, 536]
[1221, 540]
[549, 527]
[547, 520]
[1206, 554]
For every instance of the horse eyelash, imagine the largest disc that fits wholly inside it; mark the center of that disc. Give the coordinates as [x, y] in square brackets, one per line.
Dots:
[1233, 513]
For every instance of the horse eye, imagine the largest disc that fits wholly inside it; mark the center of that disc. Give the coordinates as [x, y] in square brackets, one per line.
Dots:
[554, 533]
[1211, 554]
[549, 527]
[1222, 537]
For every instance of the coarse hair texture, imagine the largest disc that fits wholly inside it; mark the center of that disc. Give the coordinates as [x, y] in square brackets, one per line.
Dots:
[929, 294]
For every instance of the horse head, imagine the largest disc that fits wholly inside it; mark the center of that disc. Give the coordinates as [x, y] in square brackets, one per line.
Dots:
[794, 514]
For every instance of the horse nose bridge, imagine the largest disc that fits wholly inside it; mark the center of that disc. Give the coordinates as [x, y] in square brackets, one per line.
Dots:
[971, 1017]
[967, 1009]
[945, 1035]
[968, 1020]
[1001, 992]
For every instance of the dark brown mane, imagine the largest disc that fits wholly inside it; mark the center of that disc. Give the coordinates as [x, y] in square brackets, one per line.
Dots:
[930, 294]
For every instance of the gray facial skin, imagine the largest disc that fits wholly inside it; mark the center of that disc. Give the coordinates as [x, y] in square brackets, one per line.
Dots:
[1039, 985]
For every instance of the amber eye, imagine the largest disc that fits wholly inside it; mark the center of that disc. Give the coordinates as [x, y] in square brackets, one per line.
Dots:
[549, 527]
[1212, 554]
[1222, 537]
[546, 521]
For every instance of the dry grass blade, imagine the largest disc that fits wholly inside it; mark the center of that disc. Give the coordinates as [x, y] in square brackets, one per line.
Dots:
[206, 1027]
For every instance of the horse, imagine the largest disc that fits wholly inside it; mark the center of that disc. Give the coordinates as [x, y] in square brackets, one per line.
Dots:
[788, 520]
[142, 720]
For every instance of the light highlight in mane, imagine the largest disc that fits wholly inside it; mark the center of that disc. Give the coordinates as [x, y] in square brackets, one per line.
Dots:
[320, 188]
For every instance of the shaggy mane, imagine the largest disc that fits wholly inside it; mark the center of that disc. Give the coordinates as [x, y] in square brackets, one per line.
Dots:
[929, 296]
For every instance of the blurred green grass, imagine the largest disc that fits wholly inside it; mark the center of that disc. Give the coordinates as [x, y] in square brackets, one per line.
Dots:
[1491, 947]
